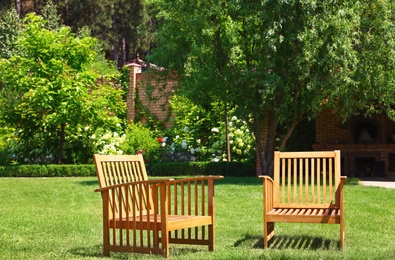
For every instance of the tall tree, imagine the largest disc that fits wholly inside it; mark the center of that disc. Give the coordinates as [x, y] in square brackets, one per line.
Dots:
[49, 85]
[278, 60]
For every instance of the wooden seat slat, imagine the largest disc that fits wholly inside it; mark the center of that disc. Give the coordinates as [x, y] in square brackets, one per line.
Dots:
[307, 187]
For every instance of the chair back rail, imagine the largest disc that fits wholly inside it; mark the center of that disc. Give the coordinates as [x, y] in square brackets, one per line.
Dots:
[306, 179]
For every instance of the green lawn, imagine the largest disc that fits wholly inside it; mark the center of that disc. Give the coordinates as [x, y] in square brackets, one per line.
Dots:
[50, 218]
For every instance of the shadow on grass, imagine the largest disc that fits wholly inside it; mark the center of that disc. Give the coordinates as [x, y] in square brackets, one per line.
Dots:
[288, 242]
[90, 183]
[245, 181]
[97, 251]
[92, 251]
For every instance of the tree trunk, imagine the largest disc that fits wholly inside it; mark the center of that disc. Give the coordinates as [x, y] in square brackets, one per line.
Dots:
[228, 156]
[266, 144]
[61, 143]
[19, 8]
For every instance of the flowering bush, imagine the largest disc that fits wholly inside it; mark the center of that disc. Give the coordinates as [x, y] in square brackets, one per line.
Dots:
[190, 138]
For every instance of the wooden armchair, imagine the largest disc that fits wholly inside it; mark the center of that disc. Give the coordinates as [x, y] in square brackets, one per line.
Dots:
[144, 216]
[307, 188]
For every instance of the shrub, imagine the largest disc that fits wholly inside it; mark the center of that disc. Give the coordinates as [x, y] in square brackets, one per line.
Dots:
[139, 140]
[236, 169]
[50, 170]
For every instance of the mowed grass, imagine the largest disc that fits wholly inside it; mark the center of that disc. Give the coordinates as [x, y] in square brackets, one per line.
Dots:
[60, 218]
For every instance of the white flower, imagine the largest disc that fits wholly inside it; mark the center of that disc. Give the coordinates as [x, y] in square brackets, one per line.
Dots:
[184, 144]
[192, 151]
[234, 118]
[165, 139]
[177, 137]
[198, 141]
[215, 130]
[186, 129]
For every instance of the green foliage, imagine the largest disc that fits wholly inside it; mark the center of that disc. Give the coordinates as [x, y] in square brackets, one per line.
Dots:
[48, 170]
[280, 61]
[235, 169]
[199, 134]
[52, 89]
[139, 140]
[10, 29]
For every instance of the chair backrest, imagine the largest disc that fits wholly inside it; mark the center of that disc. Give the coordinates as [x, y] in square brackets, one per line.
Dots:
[119, 169]
[306, 179]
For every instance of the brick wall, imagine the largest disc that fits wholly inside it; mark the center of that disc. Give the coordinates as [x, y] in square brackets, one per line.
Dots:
[333, 134]
[149, 96]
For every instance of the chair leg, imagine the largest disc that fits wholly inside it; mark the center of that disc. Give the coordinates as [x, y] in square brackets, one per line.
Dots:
[268, 233]
[341, 234]
[211, 237]
[106, 241]
[165, 242]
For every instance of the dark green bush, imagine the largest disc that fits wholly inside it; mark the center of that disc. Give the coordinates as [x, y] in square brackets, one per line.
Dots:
[50, 170]
[236, 169]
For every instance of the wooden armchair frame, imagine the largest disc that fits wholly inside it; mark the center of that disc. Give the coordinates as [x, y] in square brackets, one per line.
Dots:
[307, 188]
[144, 216]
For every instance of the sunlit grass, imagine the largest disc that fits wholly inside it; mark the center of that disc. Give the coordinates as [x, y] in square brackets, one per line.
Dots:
[60, 218]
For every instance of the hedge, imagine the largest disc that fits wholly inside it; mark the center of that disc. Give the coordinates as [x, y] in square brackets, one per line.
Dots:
[49, 170]
[236, 169]
[161, 169]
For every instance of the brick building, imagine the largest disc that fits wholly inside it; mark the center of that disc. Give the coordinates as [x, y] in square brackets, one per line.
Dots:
[367, 144]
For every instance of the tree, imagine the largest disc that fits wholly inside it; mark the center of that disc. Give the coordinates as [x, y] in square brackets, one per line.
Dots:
[50, 86]
[10, 28]
[276, 60]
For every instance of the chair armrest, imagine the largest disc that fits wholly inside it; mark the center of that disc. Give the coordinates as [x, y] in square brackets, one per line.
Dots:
[340, 192]
[268, 194]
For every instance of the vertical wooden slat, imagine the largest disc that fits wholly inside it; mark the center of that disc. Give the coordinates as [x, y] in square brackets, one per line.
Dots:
[189, 205]
[182, 206]
[196, 206]
[294, 181]
[203, 201]
[120, 214]
[289, 170]
[312, 179]
[127, 200]
[307, 168]
[325, 200]
[148, 209]
[113, 217]
[134, 214]
[330, 180]
[318, 180]
[276, 188]
[140, 202]
[337, 173]
[300, 180]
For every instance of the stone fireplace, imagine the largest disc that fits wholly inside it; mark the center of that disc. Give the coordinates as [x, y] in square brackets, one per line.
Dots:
[367, 144]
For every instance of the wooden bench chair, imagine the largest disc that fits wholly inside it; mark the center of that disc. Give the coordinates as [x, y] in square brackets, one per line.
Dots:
[307, 188]
[144, 216]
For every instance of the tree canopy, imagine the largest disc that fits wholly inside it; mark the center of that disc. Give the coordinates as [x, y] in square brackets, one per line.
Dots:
[49, 84]
[280, 61]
